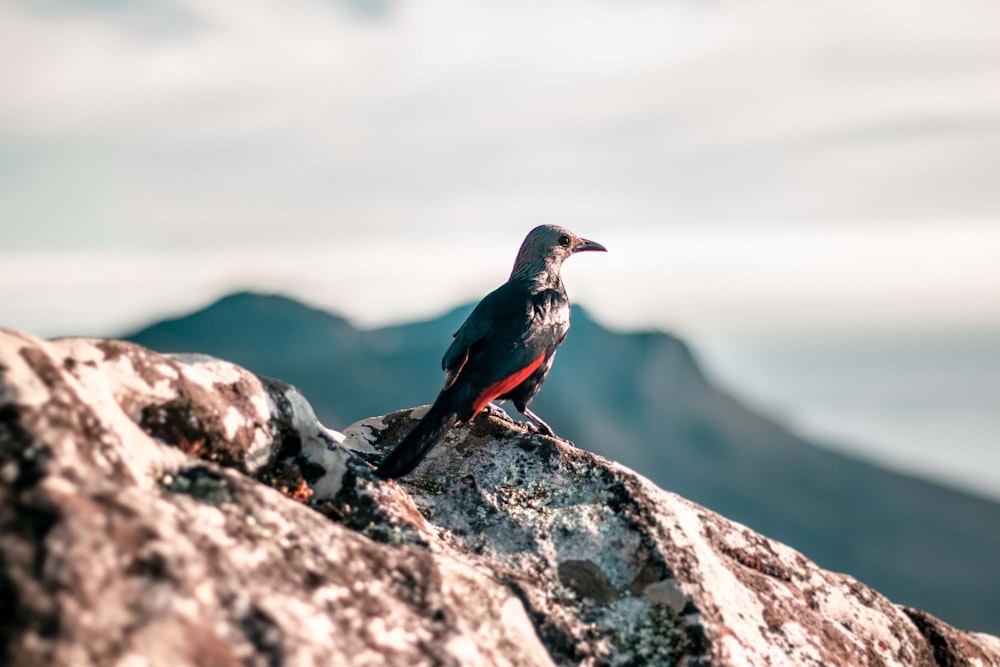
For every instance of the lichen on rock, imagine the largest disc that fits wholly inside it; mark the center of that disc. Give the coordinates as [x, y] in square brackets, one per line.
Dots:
[178, 510]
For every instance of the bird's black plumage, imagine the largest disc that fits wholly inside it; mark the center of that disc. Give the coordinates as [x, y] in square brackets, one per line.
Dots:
[504, 349]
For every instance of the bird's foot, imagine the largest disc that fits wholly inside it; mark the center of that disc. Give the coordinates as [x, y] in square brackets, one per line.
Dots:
[532, 428]
[540, 426]
[535, 429]
[494, 410]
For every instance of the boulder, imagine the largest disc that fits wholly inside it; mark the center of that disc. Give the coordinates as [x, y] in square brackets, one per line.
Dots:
[178, 510]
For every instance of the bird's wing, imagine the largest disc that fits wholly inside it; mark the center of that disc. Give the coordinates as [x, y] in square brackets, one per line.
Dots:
[474, 329]
[508, 336]
[520, 344]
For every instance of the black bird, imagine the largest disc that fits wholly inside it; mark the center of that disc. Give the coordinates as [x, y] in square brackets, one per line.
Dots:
[504, 349]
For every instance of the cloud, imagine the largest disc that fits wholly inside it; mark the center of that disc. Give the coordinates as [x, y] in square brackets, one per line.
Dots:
[709, 113]
[239, 125]
[248, 62]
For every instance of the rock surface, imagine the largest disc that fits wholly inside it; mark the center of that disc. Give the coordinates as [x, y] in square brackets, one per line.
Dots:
[162, 510]
[650, 405]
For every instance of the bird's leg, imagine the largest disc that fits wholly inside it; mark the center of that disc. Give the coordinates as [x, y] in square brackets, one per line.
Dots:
[543, 428]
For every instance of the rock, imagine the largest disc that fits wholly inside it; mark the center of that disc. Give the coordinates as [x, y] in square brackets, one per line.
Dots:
[178, 510]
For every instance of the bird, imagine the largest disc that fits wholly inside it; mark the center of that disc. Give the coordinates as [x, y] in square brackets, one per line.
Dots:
[503, 350]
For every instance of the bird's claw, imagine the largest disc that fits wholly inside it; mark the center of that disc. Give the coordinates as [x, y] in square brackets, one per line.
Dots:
[535, 429]
[532, 428]
[495, 410]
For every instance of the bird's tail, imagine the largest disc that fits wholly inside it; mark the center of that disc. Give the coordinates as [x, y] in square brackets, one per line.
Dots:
[419, 442]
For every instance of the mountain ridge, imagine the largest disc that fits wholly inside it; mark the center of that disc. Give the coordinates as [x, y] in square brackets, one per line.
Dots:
[642, 399]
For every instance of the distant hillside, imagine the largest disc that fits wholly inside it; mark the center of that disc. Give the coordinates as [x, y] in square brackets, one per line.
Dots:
[919, 543]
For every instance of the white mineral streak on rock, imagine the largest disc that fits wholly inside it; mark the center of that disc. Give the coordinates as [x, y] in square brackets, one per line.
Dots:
[666, 593]
[94, 388]
[133, 660]
[359, 436]
[320, 445]
[806, 643]
[210, 374]
[208, 371]
[464, 652]
[516, 622]
[263, 404]
[495, 610]
[419, 412]
[30, 390]
[233, 420]
[388, 641]
[742, 613]
[336, 436]
[258, 454]
[304, 420]
[168, 371]
[334, 460]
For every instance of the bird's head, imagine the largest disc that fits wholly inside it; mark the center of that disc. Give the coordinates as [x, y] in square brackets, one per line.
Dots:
[546, 247]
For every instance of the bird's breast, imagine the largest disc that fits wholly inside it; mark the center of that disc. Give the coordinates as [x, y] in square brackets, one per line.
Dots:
[552, 306]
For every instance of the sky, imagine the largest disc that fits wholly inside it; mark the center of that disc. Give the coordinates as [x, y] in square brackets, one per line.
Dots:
[760, 171]
[751, 166]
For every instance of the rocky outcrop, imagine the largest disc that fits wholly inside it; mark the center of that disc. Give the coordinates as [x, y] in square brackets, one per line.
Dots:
[650, 405]
[178, 510]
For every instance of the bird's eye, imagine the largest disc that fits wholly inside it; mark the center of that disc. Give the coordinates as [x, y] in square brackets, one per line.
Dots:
[564, 241]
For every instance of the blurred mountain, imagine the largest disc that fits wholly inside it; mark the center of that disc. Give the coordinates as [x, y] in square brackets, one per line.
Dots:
[921, 544]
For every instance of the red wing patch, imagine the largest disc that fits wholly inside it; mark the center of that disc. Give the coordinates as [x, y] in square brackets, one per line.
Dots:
[503, 386]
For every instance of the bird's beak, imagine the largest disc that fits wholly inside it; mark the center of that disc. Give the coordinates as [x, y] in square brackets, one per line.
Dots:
[584, 244]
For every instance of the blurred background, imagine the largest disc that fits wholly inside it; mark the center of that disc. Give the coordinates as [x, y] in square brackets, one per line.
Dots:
[806, 193]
